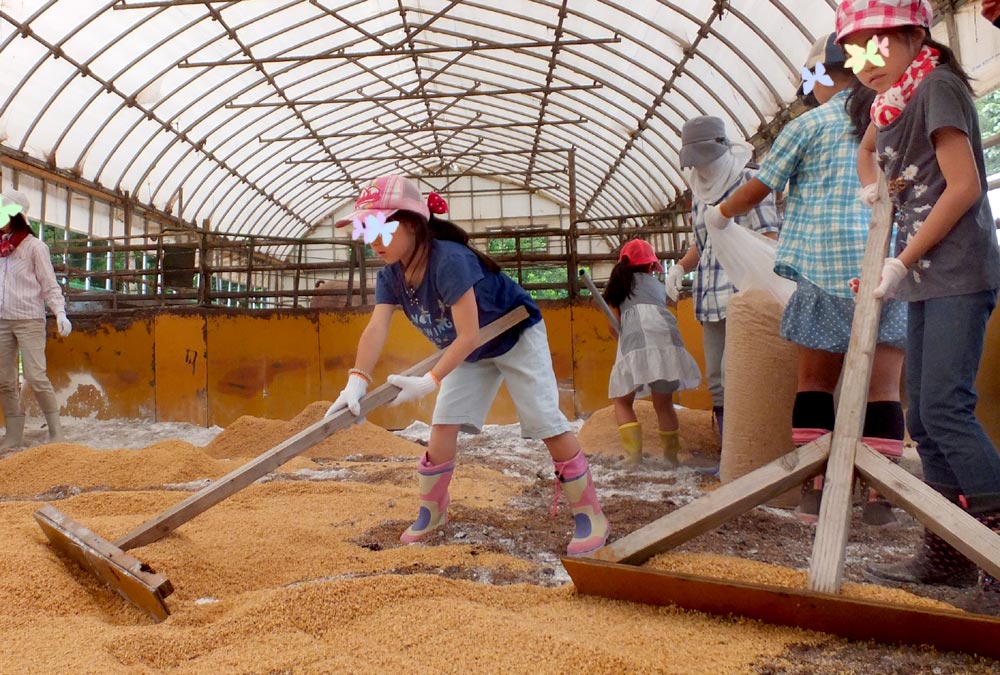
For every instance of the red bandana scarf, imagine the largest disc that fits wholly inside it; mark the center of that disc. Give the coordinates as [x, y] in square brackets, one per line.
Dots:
[9, 242]
[889, 105]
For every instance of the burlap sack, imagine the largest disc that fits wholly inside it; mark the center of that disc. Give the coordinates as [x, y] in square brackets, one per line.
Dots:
[761, 380]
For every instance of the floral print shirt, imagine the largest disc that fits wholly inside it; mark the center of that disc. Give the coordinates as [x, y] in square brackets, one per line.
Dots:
[967, 260]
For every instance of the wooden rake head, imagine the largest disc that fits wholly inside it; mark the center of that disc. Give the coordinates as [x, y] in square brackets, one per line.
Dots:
[130, 577]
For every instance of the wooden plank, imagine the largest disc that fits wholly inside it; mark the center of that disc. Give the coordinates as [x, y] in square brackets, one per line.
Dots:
[718, 506]
[826, 568]
[599, 299]
[224, 487]
[852, 618]
[131, 578]
[976, 541]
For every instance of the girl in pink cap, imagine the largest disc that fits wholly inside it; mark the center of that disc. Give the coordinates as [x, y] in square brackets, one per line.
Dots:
[650, 350]
[448, 290]
[924, 134]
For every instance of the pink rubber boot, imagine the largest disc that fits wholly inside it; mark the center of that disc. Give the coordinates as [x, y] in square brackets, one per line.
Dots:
[591, 528]
[434, 480]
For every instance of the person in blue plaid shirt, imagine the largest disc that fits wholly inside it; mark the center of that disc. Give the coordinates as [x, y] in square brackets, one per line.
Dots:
[715, 167]
[821, 248]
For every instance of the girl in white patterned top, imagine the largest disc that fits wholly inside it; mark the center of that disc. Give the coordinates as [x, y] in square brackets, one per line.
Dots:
[27, 284]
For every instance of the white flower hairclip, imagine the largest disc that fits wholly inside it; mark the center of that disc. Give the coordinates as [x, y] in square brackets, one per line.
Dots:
[809, 79]
[373, 227]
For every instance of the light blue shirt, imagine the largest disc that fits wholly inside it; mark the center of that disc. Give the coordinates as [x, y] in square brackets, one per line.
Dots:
[825, 225]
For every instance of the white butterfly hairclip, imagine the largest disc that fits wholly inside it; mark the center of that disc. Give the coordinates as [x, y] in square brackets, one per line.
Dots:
[809, 79]
[373, 227]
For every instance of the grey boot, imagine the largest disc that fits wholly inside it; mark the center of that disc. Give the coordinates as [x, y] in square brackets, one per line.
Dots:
[55, 427]
[15, 431]
[987, 600]
[935, 562]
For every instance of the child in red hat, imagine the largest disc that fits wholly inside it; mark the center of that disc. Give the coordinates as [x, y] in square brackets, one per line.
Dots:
[650, 350]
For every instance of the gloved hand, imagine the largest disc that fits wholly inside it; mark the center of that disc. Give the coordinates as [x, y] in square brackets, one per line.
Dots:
[893, 272]
[63, 326]
[868, 194]
[351, 396]
[714, 218]
[674, 282]
[413, 388]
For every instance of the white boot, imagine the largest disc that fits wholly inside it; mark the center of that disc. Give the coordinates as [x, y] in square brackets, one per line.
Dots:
[55, 427]
[15, 432]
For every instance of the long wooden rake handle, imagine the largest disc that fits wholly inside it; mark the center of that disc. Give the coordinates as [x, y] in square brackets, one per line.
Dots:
[226, 486]
[599, 299]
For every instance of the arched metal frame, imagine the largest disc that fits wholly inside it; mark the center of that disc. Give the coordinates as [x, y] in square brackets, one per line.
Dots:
[269, 114]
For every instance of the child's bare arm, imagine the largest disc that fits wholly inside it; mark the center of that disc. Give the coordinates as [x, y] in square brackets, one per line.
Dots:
[747, 196]
[867, 166]
[465, 314]
[958, 165]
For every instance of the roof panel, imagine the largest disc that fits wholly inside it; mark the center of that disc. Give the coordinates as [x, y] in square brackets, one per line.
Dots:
[268, 113]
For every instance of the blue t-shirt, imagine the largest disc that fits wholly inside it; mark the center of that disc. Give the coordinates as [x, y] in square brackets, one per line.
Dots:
[452, 269]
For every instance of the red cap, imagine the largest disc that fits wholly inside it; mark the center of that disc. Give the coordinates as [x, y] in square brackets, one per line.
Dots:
[386, 195]
[639, 252]
[854, 16]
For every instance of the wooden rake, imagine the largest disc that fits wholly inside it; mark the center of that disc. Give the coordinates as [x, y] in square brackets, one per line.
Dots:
[140, 584]
[613, 571]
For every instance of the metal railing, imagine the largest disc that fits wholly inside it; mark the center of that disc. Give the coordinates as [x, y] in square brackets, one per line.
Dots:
[202, 269]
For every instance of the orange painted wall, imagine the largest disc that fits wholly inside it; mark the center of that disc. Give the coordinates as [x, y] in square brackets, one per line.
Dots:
[181, 366]
[209, 368]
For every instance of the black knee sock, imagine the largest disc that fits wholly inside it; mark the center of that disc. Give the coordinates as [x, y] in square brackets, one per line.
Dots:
[813, 410]
[884, 419]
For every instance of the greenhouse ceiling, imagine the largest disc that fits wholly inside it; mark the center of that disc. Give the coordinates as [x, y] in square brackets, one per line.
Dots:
[263, 116]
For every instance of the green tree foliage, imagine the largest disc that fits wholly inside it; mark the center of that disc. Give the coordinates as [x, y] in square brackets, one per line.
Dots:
[989, 122]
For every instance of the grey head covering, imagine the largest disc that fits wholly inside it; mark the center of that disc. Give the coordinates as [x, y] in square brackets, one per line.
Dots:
[703, 140]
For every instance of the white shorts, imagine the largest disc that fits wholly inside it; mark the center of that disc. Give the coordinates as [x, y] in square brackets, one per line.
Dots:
[468, 391]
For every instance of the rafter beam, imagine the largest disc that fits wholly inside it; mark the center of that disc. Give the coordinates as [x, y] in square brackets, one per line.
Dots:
[428, 128]
[317, 181]
[393, 51]
[417, 155]
[416, 97]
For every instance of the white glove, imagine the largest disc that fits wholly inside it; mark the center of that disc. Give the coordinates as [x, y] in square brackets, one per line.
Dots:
[63, 326]
[351, 396]
[674, 282]
[893, 272]
[714, 218]
[412, 388]
[868, 194]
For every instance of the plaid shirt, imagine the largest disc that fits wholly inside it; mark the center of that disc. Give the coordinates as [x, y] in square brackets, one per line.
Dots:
[825, 225]
[712, 288]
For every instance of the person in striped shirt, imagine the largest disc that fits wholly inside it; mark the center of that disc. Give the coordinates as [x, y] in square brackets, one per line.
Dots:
[714, 167]
[27, 284]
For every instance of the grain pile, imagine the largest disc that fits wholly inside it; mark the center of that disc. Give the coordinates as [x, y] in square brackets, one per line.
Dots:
[250, 436]
[305, 575]
[599, 433]
[750, 571]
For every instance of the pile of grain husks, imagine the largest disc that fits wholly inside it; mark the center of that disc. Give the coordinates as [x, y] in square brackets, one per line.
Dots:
[699, 435]
[273, 581]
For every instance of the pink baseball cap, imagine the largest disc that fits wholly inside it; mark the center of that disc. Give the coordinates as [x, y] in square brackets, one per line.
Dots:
[386, 195]
[859, 15]
[639, 252]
